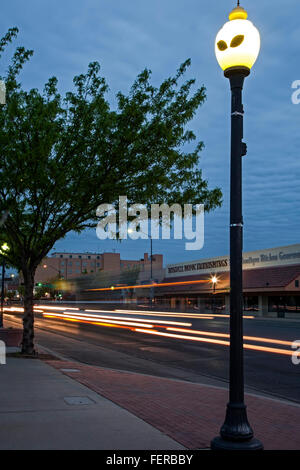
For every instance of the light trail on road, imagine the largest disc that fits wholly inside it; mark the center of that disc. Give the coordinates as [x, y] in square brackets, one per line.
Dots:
[106, 324]
[142, 325]
[130, 322]
[226, 335]
[49, 307]
[216, 341]
[132, 319]
[94, 320]
[180, 314]
[153, 313]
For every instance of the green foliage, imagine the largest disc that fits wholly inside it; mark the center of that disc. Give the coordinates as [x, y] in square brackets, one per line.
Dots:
[63, 156]
[40, 291]
[21, 290]
[129, 276]
[10, 294]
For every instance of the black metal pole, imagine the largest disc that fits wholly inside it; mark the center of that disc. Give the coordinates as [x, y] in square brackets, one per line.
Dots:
[2, 293]
[236, 433]
[151, 256]
[151, 274]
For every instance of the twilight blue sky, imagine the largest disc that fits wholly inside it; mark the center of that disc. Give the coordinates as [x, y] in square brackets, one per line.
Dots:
[126, 36]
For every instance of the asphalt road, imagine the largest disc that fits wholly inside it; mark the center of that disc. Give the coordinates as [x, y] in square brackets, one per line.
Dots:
[265, 372]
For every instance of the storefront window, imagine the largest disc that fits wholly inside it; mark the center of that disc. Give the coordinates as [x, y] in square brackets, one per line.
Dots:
[289, 303]
[250, 303]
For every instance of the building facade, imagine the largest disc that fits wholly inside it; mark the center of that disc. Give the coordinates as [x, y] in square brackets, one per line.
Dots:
[271, 283]
[75, 265]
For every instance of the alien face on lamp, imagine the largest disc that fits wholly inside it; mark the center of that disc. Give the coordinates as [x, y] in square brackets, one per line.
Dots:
[238, 42]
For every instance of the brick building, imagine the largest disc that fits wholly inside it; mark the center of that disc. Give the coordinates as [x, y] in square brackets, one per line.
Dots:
[75, 265]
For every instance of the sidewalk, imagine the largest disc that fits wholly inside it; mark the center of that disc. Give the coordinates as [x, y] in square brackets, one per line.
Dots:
[41, 408]
[58, 404]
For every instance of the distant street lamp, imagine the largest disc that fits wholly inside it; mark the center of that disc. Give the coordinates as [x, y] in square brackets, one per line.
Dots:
[237, 47]
[214, 281]
[4, 249]
[45, 266]
[151, 272]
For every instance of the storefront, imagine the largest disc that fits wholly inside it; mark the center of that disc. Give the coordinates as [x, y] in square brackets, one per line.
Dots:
[271, 284]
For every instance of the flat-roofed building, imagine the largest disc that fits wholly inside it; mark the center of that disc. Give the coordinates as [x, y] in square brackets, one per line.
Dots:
[271, 283]
[69, 265]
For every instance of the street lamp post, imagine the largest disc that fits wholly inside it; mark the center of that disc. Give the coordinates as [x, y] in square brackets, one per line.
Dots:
[237, 48]
[2, 293]
[214, 281]
[151, 270]
[151, 274]
[4, 248]
[45, 266]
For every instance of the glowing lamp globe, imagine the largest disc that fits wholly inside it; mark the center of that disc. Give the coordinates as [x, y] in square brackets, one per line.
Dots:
[238, 42]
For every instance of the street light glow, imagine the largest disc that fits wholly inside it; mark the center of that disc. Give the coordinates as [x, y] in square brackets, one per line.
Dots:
[4, 247]
[238, 41]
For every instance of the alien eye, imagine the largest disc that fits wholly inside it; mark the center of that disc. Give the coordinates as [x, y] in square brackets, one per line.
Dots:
[237, 40]
[222, 45]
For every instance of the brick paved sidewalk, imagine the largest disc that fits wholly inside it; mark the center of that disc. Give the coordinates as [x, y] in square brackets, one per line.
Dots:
[189, 413]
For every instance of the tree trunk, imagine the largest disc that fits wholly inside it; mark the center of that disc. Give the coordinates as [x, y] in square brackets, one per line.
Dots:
[28, 317]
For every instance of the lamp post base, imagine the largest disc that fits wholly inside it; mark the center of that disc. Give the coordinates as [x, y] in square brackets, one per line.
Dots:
[236, 433]
[218, 443]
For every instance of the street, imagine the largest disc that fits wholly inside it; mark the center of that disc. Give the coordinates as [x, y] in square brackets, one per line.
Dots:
[202, 355]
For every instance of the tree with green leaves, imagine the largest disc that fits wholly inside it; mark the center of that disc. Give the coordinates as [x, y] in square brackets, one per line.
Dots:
[63, 156]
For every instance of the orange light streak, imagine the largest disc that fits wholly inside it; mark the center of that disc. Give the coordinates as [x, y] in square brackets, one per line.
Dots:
[49, 307]
[153, 313]
[13, 309]
[181, 314]
[225, 335]
[191, 338]
[161, 284]
[93, 320]
[224, 343]
[131, 319]
[93, 323]
[266, 349]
